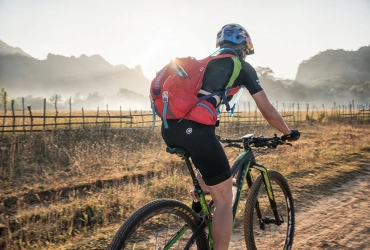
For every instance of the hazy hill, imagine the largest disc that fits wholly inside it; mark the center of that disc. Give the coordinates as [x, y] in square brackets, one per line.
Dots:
[5, 49]
[351, 66]
[22, 75]
[332, 75]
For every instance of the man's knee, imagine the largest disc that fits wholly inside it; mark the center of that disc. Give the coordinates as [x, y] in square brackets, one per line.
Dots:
[222, 192]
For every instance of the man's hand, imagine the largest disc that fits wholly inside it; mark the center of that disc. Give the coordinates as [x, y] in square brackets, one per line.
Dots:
[293, 136]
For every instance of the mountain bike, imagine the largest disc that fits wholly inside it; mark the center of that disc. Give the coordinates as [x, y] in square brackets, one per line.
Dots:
[170, 224]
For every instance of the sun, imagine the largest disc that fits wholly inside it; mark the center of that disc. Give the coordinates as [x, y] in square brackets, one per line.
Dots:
[157, 54]
[161, 48]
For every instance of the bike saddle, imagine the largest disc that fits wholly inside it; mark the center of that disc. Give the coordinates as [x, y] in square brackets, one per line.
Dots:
[178, 151]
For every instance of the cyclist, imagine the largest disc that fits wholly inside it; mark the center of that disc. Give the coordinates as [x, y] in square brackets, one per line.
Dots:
[200, 140]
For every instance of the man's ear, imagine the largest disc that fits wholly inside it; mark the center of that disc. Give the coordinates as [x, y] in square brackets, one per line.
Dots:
[244, 51]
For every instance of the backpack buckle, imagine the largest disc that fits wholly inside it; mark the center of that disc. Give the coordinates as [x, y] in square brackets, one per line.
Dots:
[179, 71]
[165, 96]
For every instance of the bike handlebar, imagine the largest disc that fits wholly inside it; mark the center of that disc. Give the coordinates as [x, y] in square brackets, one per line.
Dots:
[250, 140]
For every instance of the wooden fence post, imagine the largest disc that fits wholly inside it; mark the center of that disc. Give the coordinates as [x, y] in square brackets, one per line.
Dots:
[142, 117]
[97, 116]
[23, 116]
[313, 110]
[317, 113]
[323, 107]
[249, 113]
[4, 104]
[70, 112]
[43, 127]
[108, 117]
[56, 111]
[238, 111]
[353, 105]
[31, 118]
[120, 118]
[83, 119]
[13, 114]
[255, 116]
[307, 110]
[131, 119]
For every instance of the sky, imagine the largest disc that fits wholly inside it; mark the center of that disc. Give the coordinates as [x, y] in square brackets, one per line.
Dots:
[152, 32]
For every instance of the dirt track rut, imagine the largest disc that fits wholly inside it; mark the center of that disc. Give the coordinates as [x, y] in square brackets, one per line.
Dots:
[338, 221]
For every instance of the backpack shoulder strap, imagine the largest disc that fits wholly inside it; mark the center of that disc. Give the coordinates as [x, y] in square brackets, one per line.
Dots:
[236, 71]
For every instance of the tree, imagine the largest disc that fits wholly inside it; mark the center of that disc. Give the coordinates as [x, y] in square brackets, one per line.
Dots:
[265, 72]
[361, 91]
[55, 99]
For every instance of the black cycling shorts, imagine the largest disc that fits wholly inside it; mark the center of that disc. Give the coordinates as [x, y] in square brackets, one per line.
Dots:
[201, 143]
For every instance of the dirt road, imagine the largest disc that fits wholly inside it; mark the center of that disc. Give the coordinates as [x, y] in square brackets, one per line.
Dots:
[337, 221]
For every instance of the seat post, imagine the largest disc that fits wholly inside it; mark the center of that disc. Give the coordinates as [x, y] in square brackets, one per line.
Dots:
[191, 171]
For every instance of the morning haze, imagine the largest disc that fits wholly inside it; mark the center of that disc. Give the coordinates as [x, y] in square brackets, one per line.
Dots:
[107, 53]
[330, 76]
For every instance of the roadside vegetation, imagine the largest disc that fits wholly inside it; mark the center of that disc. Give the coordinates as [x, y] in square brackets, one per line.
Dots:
[73, 189]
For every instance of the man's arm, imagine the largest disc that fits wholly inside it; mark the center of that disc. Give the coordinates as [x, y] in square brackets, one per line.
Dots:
[269, 112]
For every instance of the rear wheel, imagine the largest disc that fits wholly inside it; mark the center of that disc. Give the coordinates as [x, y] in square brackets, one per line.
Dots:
[155, 225]
[260, 229]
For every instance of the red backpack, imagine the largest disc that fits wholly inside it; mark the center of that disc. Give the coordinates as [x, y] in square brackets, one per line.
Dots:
[174, 90]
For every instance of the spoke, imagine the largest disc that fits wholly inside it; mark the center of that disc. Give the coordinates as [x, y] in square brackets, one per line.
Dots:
[168, 226]
[156, 239]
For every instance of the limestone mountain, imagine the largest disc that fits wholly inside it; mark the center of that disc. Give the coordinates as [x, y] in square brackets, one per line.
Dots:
[5, 49]
[352, 67]
[23, 75]
[330, 76]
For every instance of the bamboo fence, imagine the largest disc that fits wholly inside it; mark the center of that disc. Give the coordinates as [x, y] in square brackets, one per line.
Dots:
[26, 120]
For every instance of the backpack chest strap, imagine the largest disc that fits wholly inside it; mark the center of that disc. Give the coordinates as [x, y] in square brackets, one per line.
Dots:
[203, 92]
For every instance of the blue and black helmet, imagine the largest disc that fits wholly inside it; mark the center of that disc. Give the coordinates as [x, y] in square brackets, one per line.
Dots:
[236, 34]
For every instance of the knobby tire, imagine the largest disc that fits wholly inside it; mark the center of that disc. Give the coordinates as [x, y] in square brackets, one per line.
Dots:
[271, 236]
[153, 225]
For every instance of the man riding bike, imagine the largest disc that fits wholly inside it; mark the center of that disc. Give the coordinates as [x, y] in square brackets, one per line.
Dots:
[201, 141]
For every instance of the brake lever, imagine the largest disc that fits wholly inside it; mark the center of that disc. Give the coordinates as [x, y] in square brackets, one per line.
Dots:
[231, 145]
[285, 143]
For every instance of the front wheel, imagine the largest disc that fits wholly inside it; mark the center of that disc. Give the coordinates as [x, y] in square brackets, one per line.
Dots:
[260, 229]
[161, 224]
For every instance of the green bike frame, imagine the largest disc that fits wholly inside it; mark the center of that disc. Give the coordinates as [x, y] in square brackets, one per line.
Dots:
[241, 168]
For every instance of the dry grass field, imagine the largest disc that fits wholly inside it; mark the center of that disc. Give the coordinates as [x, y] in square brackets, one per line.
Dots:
[73, 189]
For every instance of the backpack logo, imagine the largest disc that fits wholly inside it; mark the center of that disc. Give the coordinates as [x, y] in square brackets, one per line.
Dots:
[189, 131]
[156, 85]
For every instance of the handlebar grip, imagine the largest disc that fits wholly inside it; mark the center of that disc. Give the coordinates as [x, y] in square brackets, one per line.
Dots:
[225, 140]
[293, 136]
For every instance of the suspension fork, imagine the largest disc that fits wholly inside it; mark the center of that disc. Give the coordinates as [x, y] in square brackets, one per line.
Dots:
[270, 193]
[257, 205]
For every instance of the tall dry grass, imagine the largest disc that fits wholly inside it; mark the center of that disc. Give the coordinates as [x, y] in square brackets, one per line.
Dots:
[72, 189]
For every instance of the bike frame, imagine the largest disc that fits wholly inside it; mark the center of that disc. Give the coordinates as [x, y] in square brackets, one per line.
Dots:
[241, 168]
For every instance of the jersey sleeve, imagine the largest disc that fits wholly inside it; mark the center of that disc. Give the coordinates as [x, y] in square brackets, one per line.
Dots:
[248, 78]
